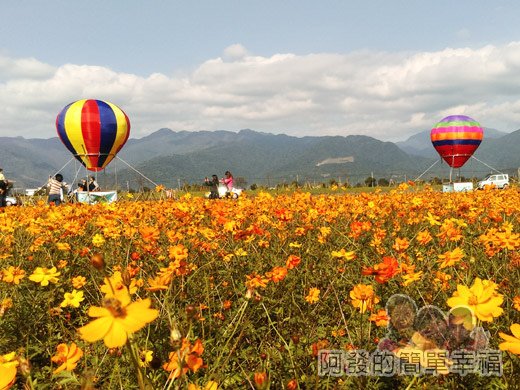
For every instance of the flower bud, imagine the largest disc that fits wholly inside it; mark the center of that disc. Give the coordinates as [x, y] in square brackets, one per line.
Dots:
[98, 261]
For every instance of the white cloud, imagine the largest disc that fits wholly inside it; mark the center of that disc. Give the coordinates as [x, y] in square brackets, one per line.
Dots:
[385, 95]
[235, 51]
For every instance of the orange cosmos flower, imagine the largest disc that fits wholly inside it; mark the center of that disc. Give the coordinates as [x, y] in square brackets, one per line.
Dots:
[424, 237]
[384, 271]
[160, 282]
[177, 252]
[277, 274]
[255, 280]
[67, 357]
[117, 319]
[380, 318]
[292, 261]
[450, 258]
[188, 357]
[363, 297]
[508, 240]
[261, 380]
[442, 279]
[78, 281]
[313, 296]
[149, 233]
[401, 244]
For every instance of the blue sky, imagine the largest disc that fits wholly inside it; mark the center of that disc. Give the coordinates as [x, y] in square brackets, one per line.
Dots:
[388, 69]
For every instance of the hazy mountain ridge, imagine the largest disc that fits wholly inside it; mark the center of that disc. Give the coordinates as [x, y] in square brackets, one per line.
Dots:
[168, 157]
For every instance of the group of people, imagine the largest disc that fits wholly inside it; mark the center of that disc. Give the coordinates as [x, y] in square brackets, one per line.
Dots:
[57, 187]
[214, 183]
[429, 328]
[91, 186]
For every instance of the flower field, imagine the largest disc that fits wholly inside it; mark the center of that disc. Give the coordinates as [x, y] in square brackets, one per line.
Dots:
[202, 294]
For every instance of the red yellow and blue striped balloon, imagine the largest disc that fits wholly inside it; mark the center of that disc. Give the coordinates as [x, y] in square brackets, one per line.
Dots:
[94, 131]
[456, 138]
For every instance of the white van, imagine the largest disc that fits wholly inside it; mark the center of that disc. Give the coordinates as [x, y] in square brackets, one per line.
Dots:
[499, 180]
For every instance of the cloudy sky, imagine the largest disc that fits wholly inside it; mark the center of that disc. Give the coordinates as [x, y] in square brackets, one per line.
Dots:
[387, 69]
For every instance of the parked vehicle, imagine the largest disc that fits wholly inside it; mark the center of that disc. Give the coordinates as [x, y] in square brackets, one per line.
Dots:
[11, 201]
[499, 180]
[223, 192]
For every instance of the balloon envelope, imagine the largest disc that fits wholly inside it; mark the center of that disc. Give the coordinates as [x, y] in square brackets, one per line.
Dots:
[93, 131]
[456, 138]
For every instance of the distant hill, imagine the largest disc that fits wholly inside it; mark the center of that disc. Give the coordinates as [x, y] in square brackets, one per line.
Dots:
[169, 158]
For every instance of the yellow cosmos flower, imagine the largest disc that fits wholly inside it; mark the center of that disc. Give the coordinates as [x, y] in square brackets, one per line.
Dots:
[145, 357]
[5, 304]
[481, 297]
[63, 246]
[98, 240]
[516, 302]
[9, 360]
[363, 297]
[433, 219]
[240, 252]
[211, 385]
[342, 253]
[7, 377]
[67, 357]
[511, 343]
[313, 296]
[117, 319]
[115, 283]
[411, 277]
[44, 276]
[8, 364]
[13, 275]
[72, 299]
[451, 257]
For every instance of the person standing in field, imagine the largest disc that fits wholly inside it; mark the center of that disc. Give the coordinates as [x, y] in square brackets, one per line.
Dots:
[213, 186]
[228, 181]
[3, 189]
[93, 185]
[56, 185]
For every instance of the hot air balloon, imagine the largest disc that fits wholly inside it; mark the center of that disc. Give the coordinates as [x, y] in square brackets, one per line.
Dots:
[94, 131]
[456, 138]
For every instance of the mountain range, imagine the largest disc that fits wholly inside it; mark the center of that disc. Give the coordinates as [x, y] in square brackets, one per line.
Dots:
[172, 158]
